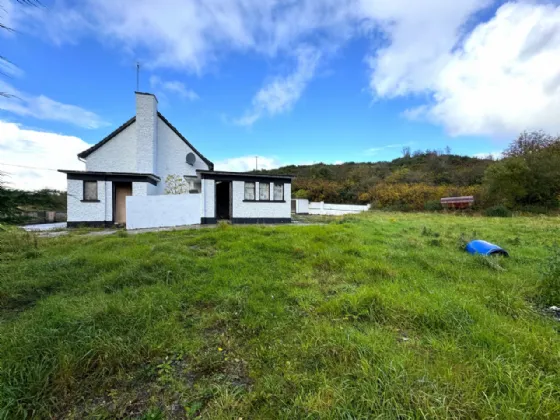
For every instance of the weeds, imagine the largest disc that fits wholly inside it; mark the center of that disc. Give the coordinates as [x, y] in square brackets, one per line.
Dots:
[549, 285]
[379, 315]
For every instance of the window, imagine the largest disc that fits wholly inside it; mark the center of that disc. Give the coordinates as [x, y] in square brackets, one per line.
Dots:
[278, 192]
[264, 191]
[90, 191]
[250, 191]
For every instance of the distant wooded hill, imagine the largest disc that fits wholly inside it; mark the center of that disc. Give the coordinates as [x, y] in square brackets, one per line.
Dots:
[424, 174]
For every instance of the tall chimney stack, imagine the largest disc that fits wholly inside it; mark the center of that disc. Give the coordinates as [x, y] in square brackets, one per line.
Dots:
[146, 132]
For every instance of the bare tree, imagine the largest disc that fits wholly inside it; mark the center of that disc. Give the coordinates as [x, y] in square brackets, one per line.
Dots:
[406, 152]
[530, 142]
[9, 29]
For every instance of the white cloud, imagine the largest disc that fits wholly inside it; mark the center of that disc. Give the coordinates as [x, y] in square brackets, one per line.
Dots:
[44, 108]
[376, 150]
[505, 78]
[37, 149]
[489, 78]
[492, 155]
[281, 93]
[173, 86]
[419, 37]
[7, 68]
[246, 163]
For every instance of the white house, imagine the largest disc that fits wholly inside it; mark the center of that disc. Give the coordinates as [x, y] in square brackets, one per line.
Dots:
[125, 181]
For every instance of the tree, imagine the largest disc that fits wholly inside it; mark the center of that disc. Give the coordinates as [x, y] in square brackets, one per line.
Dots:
[530, 142]
[174, 184]
[406, 152]
[529, 174]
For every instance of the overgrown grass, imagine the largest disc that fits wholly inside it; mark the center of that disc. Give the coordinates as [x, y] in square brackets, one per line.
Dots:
[378, 315]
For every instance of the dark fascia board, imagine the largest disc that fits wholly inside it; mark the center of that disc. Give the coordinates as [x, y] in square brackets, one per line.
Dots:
[127, 124]
[96, 146]
[210, 164]
[111, 176]
[239, 176]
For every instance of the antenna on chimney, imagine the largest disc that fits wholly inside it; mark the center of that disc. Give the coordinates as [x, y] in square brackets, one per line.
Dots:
[137, 76]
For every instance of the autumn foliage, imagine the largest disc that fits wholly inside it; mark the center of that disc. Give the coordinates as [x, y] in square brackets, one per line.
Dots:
[415, 196]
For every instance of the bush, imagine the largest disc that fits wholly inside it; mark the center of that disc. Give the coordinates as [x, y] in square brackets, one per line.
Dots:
[498, 211]
[415, 196]
[535, 209]
[432, 205]
[301, 194]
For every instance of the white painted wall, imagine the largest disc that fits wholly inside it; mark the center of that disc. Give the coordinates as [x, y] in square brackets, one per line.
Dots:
[108, 200]
[140, 188]
[260, 210]
[171, 156]
[323, 208]
[162, 211]
[302, 205]
[79, 211]
[148, 145]
[117, 155]
[146, 133]
[208, 202]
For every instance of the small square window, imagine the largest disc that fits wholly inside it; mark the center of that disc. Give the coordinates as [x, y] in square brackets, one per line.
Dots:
[250, 191]
[278, 192]
[264, 191]
[90, 190]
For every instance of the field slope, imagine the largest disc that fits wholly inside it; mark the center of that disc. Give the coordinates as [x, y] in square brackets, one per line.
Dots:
[380, 315]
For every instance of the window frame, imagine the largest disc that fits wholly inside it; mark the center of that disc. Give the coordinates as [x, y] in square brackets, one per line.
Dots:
[273, 196]
[84, 199]
[245, 191]
[267, 184]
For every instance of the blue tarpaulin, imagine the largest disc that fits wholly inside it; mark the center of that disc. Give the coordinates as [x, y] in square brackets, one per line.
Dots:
[485, 248]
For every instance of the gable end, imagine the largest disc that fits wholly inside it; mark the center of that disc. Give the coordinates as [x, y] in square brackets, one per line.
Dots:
[96, 146]
[131, 121]
[210, 164]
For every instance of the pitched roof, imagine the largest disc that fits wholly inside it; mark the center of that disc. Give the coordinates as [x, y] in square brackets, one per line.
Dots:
[123, 127]
[96, 146]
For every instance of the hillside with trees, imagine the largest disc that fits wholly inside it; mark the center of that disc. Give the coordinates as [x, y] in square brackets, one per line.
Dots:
[527, 177]
[422, 174]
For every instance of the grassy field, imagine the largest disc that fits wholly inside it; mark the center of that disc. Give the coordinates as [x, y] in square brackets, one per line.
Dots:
[376, 316]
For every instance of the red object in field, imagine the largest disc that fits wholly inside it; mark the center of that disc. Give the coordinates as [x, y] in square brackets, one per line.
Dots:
[457, 202]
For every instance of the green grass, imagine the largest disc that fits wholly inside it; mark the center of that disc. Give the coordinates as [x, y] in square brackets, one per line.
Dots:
[373, 316]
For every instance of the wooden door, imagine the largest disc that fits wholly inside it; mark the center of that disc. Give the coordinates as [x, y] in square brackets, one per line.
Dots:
[122, 190]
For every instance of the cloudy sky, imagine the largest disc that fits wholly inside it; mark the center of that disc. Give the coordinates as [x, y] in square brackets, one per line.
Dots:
[292, 81]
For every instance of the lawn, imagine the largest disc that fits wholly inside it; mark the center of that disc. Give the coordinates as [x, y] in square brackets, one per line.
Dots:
[374, 316]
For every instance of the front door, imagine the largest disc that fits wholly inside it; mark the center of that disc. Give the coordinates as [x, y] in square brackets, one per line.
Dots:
[122, 190]
[223, 200]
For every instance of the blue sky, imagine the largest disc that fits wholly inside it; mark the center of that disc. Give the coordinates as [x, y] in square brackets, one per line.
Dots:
[293, 82]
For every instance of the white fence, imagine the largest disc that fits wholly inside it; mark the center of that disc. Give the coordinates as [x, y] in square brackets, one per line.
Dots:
[300, 205]
[152, 211]
[323, 208]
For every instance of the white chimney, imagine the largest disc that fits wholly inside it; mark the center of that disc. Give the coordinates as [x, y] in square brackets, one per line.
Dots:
[146, 132]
